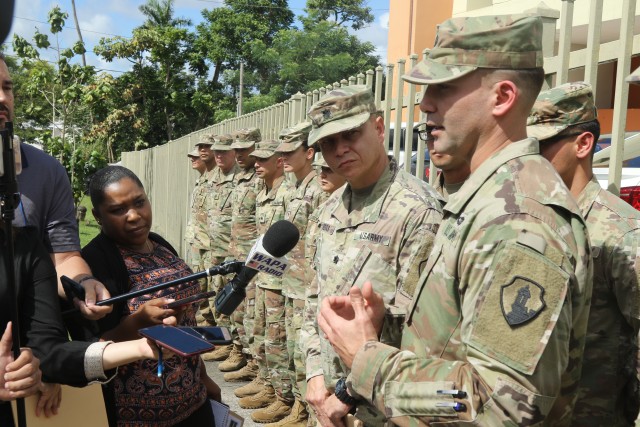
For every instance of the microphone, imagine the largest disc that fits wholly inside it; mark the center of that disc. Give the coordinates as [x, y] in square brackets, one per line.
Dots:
[267, 256]
[73, 289]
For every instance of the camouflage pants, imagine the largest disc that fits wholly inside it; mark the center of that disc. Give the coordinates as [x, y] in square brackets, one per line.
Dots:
[275, 342]
[201, 259]
[242, 320]
[259, 327]
[294, 314]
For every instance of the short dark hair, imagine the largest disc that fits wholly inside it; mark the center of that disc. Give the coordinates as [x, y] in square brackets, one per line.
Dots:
[592, 126]
[528, 80]
[100, 180]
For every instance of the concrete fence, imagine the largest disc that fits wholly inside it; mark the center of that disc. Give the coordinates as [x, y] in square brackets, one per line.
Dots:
[168, 179]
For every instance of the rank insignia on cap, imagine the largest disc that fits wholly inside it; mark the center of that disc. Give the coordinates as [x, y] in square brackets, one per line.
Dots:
[326, 113]
[521, 300]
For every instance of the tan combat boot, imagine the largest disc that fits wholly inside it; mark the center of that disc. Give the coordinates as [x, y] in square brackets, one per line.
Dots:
[247, 373]
[297, 418]
[260, 400]
[220, 353]
[235, 361]
[272, 413]
[254, 387]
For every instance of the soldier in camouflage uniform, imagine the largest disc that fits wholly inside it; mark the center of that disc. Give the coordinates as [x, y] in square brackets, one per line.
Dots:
[379, 227]
[243, 236]
[198, 165]
[223, 182]
[495, 332]
[564, 120]
[199, 218]
[270, 347]
[451, 176]
[303, 198]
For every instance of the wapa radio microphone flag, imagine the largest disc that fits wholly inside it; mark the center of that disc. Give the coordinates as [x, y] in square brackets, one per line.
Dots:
[260, 259]
[267, 256]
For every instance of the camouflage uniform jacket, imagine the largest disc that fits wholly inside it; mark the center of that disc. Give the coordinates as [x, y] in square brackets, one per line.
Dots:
[609, 385]
[243, 220]
[384, 243]
[220, 211]
[199, 217]
[299, 205]
[500, 311]
[270, 209]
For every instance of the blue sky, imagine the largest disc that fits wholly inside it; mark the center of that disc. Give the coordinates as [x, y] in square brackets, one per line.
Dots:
[118, 17]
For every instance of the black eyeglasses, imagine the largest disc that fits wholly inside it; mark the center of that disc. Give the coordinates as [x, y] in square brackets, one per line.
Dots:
[424, 132]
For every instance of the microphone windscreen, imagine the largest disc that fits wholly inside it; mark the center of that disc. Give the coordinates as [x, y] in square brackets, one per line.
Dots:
[6, 6]
[280, 238]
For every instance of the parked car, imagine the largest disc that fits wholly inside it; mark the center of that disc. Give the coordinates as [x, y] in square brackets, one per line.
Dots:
[630, 178]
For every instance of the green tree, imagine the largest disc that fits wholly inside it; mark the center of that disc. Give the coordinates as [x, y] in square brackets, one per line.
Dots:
[309, 58]
[160, 49]
[50, 97]
[342, 12]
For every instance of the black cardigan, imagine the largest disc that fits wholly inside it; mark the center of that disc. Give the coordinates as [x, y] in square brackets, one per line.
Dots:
[41, 326]
[106, 263]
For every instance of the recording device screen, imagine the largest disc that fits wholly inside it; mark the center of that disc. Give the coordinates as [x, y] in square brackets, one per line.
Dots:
[176, 340]
[212, 334]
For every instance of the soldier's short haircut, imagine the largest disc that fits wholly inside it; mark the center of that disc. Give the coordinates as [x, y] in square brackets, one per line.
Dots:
[99, 181]
[528, 80]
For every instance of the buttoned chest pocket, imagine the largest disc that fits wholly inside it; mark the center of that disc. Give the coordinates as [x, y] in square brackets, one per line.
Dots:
[222, 200]
[361, 264]
[242, 201]
[298, 214]
[199, 198]
[271, 213]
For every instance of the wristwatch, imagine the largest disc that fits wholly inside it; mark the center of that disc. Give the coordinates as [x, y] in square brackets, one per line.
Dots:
[343, 395]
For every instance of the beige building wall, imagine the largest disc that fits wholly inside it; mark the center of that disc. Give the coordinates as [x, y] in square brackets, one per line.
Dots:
[412, 28]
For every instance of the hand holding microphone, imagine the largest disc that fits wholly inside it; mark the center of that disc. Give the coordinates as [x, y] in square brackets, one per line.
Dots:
[265, 256]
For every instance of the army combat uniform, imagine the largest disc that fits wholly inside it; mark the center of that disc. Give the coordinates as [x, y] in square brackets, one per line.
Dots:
[383, 240]
[243, 235]
[608, 393]
[496, 328]
[270, 347]
[219, 226]
[302, 199]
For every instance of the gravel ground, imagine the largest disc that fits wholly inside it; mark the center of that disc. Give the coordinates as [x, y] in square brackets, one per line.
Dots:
[227, 393]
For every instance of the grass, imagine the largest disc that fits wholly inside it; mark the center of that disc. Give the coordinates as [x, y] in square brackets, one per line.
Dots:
[88, 228]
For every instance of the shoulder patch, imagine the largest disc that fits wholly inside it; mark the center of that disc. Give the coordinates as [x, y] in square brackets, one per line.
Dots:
[521, 300]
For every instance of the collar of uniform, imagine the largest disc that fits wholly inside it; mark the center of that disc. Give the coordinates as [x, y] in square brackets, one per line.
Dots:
[221, 177]
[588, 196]
[246, 174]
[371, 212]
[457, 201]
[271, 194]
[302, 187]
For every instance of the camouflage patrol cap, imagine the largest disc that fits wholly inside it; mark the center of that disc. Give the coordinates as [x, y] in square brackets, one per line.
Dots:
[265, 149]
[222, 143]
[193, 153]
[207, 139]
[294, 137]
[465, 44]
[319, 162]
[246, 138]
[558, 108]
[340, 110]
[634, 77]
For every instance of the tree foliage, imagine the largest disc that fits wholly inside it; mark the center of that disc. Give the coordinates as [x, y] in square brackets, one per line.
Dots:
[182, 78]
[342, 12]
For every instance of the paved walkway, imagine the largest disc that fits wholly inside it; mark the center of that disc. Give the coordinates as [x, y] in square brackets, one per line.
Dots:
[227, 393]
